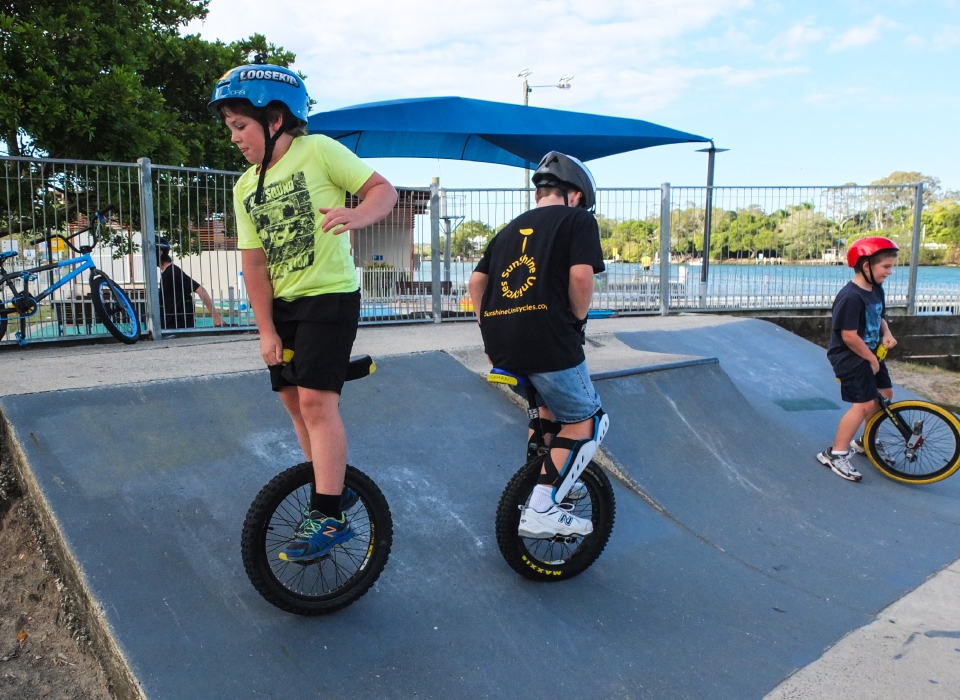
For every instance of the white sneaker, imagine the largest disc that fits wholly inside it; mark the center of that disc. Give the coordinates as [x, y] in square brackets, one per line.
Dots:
[556, 521]
[577, 492]
[840, 464]
[857, 446]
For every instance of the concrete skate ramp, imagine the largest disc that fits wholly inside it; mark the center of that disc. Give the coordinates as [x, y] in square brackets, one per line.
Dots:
[784, 376]
[756, 567]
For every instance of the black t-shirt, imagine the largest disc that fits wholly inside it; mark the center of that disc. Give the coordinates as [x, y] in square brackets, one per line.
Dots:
[176, 298]
[855, 309]
[526, 322]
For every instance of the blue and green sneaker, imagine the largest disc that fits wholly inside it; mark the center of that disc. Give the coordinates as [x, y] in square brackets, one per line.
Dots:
[349, 499]
[316, 536]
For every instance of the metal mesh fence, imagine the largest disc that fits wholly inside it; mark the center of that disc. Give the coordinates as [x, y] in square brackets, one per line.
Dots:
[781, 247]
[768, 247]
[40, 198]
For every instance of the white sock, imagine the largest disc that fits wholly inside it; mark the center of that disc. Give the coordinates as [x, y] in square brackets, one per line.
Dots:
[542, 498]
[839, 454]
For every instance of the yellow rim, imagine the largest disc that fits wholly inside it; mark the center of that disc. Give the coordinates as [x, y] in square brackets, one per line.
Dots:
[933, 408]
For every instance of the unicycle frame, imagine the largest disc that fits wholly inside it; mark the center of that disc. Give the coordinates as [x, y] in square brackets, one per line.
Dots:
[913, 435]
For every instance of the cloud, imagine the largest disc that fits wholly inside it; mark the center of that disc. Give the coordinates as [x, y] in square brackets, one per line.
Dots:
[793, 42]
[861, 36]
[948, 37]
[420, 48]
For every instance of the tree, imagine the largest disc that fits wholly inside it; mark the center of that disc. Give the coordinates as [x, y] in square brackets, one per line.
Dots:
[114, 80]
[470, 237]
[109, 80]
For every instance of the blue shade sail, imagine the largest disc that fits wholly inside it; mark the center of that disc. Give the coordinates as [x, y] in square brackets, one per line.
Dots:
[458, 128]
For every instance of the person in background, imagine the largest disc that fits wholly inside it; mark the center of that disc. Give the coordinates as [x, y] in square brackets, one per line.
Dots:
[176, 293]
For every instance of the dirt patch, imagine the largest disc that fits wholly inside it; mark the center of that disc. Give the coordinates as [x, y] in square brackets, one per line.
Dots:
[43, 647]
[940, 386]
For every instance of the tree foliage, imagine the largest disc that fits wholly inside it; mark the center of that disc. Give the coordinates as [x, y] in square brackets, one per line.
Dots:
[114, 80]
[806, 231]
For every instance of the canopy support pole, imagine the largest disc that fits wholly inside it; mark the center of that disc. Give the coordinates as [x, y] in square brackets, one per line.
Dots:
[707, 222]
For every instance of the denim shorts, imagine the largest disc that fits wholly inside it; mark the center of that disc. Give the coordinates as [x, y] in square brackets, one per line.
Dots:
[569, 393]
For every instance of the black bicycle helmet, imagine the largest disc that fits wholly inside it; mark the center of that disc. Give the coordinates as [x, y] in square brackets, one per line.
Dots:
[566, 173]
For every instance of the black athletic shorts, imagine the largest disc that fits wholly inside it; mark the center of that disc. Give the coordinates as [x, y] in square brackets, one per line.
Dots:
[320, 332]
[860, 384]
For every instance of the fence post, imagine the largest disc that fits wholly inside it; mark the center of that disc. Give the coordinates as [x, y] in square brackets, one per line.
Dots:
[435, 248]
[665, 249]
[149, 249]
[915, 252]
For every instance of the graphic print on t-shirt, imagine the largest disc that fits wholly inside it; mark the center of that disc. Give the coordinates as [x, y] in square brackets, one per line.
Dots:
[286, 223]
[871, 333]
[521, 274]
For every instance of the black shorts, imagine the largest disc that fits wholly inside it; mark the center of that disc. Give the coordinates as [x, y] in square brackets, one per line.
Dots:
[320, 332]
[860, 384]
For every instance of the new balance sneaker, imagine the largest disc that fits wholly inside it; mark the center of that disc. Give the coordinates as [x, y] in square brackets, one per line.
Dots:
[840, 464]
[349, 499]
[577, 492]
[857, 446]
[316, 536]
[556, 521]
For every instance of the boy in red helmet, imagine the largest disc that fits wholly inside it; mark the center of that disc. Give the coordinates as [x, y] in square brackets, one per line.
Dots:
[859, 330]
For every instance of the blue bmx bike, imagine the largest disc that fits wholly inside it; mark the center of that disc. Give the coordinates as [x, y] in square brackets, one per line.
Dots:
[111, 304]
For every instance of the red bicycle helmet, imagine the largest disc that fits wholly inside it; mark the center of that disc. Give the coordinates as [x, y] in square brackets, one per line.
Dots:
[865, 247]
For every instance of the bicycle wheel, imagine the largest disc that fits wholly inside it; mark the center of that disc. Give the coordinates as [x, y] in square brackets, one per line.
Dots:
[558, 558]
[3, 320]
[336, 579]
[935, 456]
[114, 309]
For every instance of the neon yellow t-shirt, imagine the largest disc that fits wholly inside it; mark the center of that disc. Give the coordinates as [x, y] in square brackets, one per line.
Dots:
[302, 260]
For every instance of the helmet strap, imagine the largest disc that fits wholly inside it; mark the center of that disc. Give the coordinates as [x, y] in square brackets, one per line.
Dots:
[268, 143]
[871, 279]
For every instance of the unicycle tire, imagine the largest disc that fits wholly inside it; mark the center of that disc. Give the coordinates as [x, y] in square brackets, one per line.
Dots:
[333, 581]
[559, 558]
[936, 458]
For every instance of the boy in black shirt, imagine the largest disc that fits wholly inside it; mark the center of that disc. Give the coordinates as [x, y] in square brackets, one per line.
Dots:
[859, 330]
[176, 293]
[531, 292]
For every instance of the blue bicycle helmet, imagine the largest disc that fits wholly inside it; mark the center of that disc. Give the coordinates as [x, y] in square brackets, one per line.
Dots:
[260, 84]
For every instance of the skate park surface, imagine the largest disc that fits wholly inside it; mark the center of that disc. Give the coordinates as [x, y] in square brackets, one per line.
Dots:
[735, 560]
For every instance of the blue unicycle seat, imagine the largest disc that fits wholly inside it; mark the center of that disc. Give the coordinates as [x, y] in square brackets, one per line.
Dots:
[503, 376]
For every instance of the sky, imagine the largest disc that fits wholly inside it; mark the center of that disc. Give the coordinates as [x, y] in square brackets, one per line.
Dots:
[813, 93]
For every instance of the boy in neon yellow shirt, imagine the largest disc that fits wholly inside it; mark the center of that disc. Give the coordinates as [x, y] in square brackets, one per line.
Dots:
[299, 272]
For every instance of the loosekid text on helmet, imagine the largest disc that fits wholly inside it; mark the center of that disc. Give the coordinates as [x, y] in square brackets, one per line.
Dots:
[259, 74]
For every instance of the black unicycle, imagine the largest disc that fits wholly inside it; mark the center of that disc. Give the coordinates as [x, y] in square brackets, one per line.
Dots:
[558, 557]
[347, 571]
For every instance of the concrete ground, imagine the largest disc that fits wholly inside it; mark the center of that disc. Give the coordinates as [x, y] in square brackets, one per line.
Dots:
[829, 541]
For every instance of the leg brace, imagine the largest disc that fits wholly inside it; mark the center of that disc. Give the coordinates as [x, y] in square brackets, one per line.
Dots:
[581, 452]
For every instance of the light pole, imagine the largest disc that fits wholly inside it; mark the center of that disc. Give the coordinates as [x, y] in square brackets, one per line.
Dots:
[562, 84]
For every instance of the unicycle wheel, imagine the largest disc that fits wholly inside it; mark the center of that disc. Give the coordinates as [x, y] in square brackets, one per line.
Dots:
[933, 457]
[333, 581]
[558, 558]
